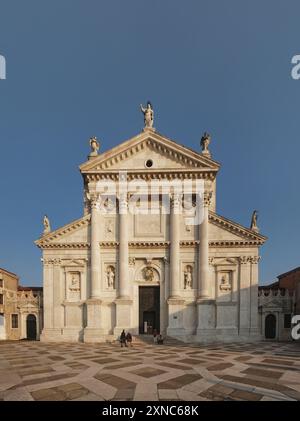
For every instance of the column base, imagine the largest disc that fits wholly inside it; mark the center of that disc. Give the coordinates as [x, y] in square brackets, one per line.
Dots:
[94, 335]
[206, 316]
[66, 334]
[175, 312]
[176, 331]
[123, 315]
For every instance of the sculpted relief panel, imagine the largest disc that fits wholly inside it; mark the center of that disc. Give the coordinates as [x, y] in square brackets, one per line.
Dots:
[224, 284]
[147, 274]
[73, 286]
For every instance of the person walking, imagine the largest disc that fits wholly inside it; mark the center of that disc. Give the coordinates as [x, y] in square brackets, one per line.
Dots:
[123, 339]
[129, 339]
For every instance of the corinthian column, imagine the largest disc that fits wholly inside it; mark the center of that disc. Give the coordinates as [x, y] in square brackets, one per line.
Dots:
[203, 251]
[175, 246]
[175, 302]
[123, 247]
[95, 251]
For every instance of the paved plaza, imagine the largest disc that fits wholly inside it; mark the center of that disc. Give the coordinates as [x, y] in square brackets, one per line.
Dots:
[254, 372]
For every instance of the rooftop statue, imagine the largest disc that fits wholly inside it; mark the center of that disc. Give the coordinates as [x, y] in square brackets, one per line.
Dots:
[94, 144]
[204, 143]
[254, 226]
[148, 114]
[46, 223]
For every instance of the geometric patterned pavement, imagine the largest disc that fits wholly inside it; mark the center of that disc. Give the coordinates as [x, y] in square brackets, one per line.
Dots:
[46, 372]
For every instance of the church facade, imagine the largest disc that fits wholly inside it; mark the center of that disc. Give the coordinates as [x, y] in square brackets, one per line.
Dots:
[121, 266]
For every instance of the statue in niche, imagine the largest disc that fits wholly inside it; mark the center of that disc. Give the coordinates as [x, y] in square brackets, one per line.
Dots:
[148, 274]
[225, 283]
[110, 277]
[254, 226]
[148, 114]
[47, 227]
[188, 277]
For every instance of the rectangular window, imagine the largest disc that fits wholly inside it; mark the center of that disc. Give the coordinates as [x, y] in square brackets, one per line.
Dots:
[1, 299]
[1, 283]
[287, 321]
[14, 321]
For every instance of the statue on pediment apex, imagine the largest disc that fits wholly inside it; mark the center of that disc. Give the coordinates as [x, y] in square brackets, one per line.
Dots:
[148, 115]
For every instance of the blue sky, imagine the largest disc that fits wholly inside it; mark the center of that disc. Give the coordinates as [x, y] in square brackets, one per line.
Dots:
[81, 68]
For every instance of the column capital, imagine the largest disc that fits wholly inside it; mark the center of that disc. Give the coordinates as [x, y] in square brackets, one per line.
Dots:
[206, 198]
[243, 260]
[255, 259]
[94, 200]
[176, 200]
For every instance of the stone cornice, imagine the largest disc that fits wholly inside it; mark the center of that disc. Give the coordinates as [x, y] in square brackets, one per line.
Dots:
[181, 174]
[157, 142]
[146, 244]
[65, 246]
[51, 238]
[109, 244]
[137, 244]
[234, 243]
[221, 243]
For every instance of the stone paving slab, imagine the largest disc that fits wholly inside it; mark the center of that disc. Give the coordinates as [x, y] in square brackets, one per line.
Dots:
[39, 371]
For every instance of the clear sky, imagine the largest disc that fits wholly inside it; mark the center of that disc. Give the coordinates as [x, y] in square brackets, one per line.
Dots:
[77, 68]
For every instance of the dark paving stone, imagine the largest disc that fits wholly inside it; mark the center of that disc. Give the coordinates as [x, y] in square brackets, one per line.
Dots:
[56, 358]
[254, 382]
[106, 360]
[243, 358]
[60, 393]
[219, 367]
[76, 365]
[278, 361]
[245, 396]
[115, 381]
[47, 379]
[191, 361]
[263, 373]
[173, 365]
[148, 372]
[179, 382]
[122, 365]
[35, 370]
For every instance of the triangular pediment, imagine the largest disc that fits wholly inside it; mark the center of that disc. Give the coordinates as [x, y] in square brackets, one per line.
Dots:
[164, 153]
[74, 234]
[224, 230]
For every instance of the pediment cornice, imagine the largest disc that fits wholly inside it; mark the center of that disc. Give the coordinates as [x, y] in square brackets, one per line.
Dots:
[249, 236]
[51, 240]
[190, 160]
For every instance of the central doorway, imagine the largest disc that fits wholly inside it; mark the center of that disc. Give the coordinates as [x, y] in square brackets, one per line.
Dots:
[149, 309]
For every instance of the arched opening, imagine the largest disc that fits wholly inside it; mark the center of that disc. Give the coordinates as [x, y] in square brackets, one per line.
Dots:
[31, 327]
[270, 326]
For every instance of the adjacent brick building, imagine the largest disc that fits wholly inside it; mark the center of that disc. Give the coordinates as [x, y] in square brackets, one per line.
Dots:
[21, 315]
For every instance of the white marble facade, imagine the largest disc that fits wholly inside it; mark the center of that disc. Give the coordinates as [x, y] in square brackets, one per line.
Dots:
[95, 267]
